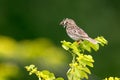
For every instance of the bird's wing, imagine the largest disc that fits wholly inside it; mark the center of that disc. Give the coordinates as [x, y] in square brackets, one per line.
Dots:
[81, 32]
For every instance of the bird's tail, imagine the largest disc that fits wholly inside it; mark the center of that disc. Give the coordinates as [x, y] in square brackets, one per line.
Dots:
[91, 40]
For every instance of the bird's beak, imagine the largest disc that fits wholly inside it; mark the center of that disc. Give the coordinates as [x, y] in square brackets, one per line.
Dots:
[61, 23]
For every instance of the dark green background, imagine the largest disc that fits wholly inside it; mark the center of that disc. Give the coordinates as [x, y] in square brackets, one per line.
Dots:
[30, 19]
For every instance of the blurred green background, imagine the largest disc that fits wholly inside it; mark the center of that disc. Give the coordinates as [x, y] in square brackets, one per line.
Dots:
[31, 34]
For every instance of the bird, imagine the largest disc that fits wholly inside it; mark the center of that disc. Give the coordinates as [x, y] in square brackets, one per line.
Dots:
[74, 32]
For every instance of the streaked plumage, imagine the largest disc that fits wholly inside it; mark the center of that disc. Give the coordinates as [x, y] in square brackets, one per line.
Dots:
[75, 32]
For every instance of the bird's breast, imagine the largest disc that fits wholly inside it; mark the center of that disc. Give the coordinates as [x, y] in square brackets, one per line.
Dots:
[72, 33]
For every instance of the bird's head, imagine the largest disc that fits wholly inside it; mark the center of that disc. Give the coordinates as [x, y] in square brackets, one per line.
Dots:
[67, 22]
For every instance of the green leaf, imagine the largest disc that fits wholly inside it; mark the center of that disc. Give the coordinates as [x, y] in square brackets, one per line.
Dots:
[66, 45]
[94, 46]
[112, 78]
[102, 40]
[85, 60]
[84, 63]
[88, 58]
[85, 45]
[59, 78]
[47, 75]
[85, 69]
[83, 74]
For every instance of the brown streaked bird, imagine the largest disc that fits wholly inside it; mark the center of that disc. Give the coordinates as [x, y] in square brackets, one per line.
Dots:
[75, 32]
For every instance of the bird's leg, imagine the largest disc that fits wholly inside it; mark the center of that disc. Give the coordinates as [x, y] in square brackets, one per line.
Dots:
[78, 41]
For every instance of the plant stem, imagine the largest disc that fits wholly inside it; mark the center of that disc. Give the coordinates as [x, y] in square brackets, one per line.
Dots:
[73, 60]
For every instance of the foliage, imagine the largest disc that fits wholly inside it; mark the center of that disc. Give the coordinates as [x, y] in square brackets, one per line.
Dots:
[42, 75]
[8, 70]
[79, 67]
[30, 49]
[14, 54]
[112, 78]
